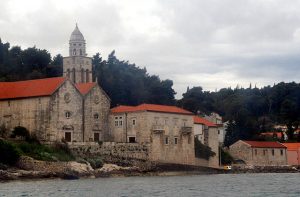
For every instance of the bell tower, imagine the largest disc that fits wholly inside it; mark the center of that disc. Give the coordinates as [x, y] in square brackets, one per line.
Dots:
[77, 66]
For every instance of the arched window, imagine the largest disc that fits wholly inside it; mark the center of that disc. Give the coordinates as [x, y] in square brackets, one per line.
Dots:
[74, 75]
[68, 73]
[68, 114]
[82, 75]
[87, 76]
[74, 51]
[96, 116]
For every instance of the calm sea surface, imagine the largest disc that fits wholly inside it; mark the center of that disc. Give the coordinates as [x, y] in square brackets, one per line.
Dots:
[200, 185]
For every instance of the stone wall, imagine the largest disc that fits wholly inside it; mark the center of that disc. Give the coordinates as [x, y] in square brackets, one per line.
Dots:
[164, 131]
[96, 113]
[32, 113]
[118, 150]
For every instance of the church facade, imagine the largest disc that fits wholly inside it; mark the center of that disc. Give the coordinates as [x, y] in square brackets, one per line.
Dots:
[70, 108]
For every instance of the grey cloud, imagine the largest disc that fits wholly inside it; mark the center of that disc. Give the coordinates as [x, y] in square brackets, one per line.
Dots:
[208, 43]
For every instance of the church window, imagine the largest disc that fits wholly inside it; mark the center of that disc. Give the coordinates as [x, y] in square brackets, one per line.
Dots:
[82, 76]
[96, 116]
[167, 140]
[175, 140]
[134, 122]
[87, 76]
[68, 114]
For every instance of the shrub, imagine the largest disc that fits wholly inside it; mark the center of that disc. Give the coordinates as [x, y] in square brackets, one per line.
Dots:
[226, 158]
[202, 151]
[95, 162]
[9, 154]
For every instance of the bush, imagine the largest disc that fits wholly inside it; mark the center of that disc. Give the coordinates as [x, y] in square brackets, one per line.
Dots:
[226, 158]
[202, 151]
[46, 153]
[9, 154]
[95, 162]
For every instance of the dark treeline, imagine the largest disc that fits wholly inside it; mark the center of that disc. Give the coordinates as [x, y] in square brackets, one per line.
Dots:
[32, 63]
[248, 110]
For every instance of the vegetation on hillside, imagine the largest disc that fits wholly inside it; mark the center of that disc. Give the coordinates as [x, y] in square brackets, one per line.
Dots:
[249, 111]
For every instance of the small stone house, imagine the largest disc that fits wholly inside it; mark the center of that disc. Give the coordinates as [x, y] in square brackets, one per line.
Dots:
[259, 153]
[207, 134]
[167, 129]
[293, 153]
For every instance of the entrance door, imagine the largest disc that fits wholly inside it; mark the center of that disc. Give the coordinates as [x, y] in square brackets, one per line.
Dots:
[68, 137]
[96, 137]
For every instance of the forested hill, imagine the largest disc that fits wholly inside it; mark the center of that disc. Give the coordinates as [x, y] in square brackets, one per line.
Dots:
[248, 110]
[125, 83]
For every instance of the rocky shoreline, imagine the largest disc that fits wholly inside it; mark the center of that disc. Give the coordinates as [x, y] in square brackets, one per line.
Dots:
[28, 169]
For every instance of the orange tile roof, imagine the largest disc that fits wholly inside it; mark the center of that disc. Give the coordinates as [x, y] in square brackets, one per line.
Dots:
[199, 120]
[30, 88]
[150, 107]
[263, 144]
[84, 88]
[292, 146]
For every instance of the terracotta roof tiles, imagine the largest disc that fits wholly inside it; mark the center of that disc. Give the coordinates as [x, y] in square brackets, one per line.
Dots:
[199, 120]
[84, 88]
[30, 88]
[150, 107]
[263, 144]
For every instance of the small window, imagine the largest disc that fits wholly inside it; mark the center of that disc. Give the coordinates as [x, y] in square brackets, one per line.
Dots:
[218, 132]
[166, 140]
[265, 152]
[175, 140]
[68, 114]
[120, 121]
[133, 122]
[184, 122]
[255, 151]
[131, 139]
[96, 116]
[116, 123]
[8, 103]
[281, 152]
[273, 152]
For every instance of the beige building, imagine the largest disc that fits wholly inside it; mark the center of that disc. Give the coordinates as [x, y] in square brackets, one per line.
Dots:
[207, 134]
[168, 129]
[71, 107]
[259, 153]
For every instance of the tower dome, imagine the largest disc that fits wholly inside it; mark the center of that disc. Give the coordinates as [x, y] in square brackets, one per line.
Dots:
[77, 43]
[76, 35]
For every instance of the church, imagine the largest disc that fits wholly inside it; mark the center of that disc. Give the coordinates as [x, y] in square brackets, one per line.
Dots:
[71, 108]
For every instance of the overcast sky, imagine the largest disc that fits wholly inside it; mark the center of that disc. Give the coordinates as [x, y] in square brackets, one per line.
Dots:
[208, 43]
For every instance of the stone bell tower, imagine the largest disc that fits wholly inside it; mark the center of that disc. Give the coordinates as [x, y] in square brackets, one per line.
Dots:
[77, 66]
